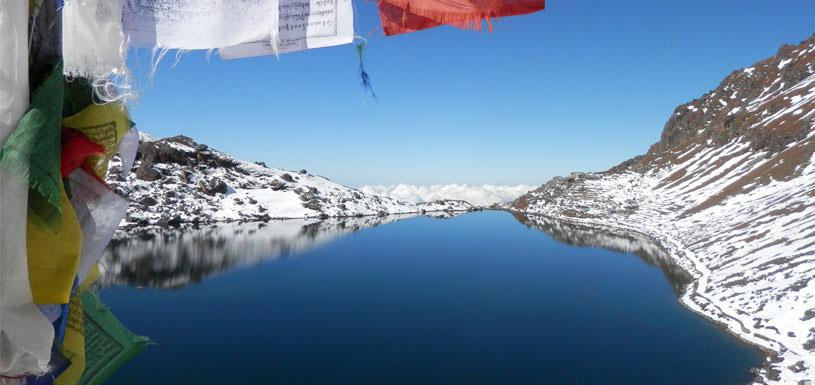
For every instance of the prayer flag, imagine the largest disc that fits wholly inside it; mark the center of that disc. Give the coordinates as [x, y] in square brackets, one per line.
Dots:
[403, 16]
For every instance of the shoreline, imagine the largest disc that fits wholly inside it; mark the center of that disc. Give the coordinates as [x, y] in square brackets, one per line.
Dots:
[690, 265]
[693, 291]
[132, 227]
[692, 297]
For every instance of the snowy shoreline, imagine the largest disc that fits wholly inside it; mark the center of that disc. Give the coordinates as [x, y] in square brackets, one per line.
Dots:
[127, 228]
[693, 296]
[708, 308]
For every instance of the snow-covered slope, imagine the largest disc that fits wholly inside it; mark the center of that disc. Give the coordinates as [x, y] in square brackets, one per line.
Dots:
[729, 192]
[176, 181]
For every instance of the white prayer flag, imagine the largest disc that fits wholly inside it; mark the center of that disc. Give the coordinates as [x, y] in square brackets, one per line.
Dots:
[92, 39]
[128, 147]
[99, 212]
[240, 28]
[25, 334]
[303, 24]
[198, 24]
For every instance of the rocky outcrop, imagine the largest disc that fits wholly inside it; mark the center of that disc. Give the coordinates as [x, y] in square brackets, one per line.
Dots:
[729, 192]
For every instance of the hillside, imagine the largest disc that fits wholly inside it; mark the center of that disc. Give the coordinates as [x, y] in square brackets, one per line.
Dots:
[176, 181]
[729, 191]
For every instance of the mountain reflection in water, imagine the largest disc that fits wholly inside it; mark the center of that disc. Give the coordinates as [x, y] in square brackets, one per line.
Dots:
[171, 259]
[625, 242]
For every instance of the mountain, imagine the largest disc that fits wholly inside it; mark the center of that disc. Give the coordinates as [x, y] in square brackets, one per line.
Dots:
[729, 192]
[176, 181]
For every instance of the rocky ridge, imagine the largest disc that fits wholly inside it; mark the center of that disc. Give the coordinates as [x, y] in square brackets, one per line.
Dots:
[176, 181]
[729, 192]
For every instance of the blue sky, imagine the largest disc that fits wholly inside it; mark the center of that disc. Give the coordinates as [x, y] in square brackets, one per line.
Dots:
[580, 86]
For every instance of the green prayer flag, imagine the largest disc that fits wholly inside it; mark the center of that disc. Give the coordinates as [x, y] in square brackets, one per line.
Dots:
[32, 151]
[108, 343]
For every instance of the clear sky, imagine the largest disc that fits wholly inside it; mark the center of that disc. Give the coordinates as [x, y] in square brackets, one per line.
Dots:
[580, 86]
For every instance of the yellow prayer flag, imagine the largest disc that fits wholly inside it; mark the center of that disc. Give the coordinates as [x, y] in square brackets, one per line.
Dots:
[53, 256]
[73, 345]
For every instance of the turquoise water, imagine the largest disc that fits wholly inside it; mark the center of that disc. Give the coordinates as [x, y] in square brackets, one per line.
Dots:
[482, 298]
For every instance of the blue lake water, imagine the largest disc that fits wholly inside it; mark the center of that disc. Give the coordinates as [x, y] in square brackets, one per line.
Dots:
[481, 298]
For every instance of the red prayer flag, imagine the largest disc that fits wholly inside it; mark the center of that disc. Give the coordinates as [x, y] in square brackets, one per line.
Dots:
[76, 148]
[403, 16]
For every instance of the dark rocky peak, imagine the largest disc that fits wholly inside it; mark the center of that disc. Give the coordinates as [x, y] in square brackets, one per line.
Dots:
[183, 140]
[180, 150]
[744, 106]
[166, 151]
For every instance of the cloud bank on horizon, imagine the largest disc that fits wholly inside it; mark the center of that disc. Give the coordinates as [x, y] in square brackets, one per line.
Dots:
[483, 195]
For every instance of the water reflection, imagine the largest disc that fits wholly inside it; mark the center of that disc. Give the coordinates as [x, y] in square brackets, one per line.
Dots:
[170, 259]
[626, 242]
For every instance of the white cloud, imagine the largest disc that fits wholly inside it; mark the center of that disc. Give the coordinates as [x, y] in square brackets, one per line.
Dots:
[483, 195]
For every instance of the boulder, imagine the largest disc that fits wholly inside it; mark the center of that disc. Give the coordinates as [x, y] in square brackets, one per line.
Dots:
[214, 186]
[313, 204]
[218, 186]
[169, 222]
[148, 201]
[277, 185]
[146, 172]
[798, 367]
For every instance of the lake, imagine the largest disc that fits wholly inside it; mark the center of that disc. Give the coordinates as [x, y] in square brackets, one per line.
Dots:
[480, 298]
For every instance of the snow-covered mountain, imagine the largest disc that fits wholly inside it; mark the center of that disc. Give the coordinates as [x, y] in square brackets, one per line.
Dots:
[177, 181]
[729, 192]
[480, 195]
